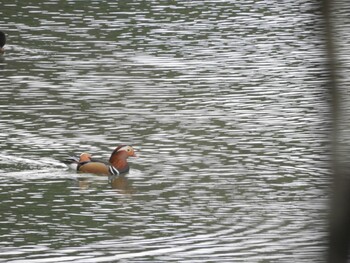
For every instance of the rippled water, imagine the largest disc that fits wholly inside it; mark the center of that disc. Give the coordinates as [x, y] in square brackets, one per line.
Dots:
[224, 102]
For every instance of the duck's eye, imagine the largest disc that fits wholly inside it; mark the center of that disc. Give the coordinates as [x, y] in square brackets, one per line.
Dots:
[128, 149]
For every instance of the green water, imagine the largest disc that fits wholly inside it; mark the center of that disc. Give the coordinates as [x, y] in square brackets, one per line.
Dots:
[224, 102]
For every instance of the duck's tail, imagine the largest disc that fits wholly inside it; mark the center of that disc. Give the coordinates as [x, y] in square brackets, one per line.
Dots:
[72, 162]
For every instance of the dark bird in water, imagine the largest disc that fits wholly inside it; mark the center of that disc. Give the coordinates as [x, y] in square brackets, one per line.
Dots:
[2, 42]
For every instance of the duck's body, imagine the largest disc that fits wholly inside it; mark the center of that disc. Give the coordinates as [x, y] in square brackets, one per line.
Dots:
[97, 168]
[2, 42]
[116, 165]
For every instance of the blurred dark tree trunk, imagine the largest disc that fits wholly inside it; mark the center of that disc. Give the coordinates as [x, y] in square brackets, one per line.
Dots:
[340, 204]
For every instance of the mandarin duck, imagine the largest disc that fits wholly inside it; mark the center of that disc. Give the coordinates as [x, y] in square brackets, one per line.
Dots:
[2, 42]
[116, 165]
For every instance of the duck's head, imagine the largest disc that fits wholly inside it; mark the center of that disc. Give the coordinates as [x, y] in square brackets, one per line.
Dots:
[124, 151]
[85, 157]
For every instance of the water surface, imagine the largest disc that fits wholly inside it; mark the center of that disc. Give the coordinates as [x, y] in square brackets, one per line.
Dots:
[224, 102]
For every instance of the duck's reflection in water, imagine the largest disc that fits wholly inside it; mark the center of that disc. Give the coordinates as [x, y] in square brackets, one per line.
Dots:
[120, 183]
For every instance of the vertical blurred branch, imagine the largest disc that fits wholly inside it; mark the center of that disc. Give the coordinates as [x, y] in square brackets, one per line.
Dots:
[340, 205]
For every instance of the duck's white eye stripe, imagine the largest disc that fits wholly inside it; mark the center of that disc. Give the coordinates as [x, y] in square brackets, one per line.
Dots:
[124, 148]
[113, 170]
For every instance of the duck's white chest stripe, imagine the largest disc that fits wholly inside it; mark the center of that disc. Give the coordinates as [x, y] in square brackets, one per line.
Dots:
[113, 170]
